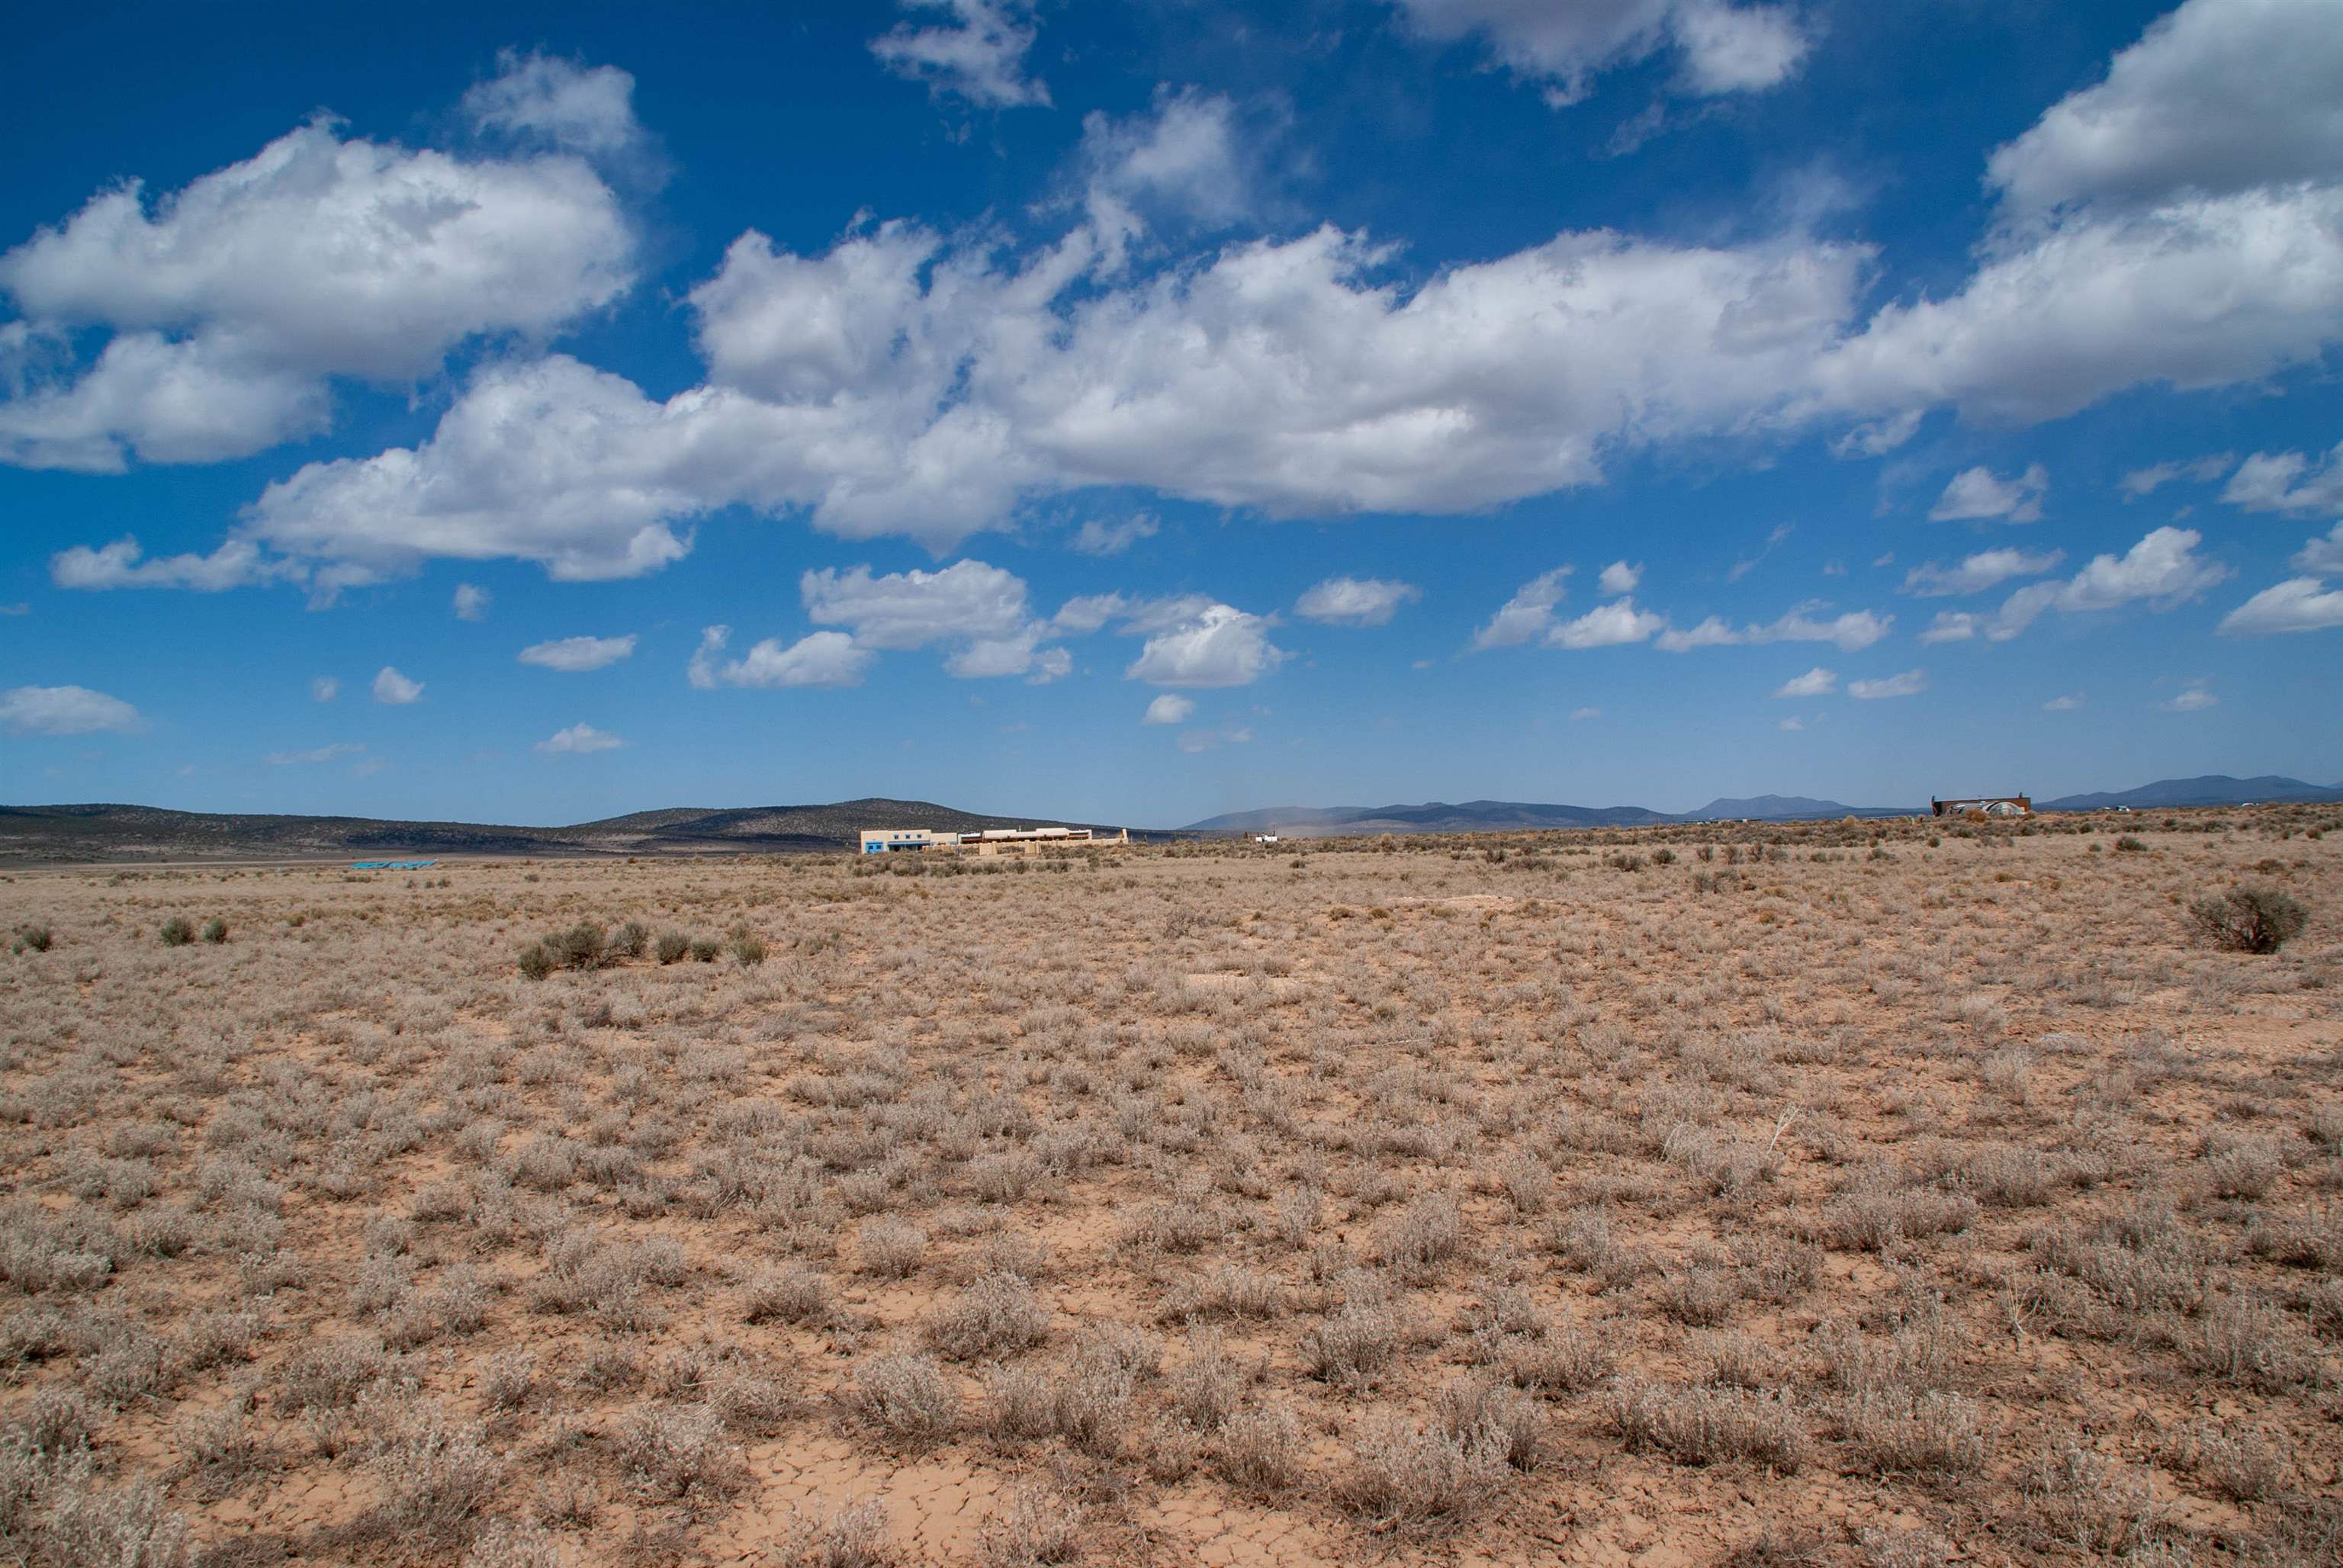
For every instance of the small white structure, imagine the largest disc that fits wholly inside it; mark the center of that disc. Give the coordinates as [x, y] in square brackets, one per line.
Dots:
[1264, 837]
[988, 841]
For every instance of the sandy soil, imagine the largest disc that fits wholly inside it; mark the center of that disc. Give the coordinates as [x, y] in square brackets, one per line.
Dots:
[1883, 1193]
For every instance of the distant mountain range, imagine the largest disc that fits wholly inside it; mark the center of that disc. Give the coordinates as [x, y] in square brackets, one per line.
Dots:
[1500, 815]
[55, 834]
[49, 834]
[1516, 816]
[2211, 789]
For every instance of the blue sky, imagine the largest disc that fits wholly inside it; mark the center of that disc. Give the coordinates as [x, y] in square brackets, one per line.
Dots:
[1135, 412]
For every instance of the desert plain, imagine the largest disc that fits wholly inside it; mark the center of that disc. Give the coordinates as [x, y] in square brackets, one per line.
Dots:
[1886, 1193]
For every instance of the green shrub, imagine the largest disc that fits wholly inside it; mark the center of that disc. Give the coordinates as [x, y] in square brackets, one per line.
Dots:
[706, 950]
[630, 939]
[2249, 919]
[31, 939]
[176, 932]
[536, 962]
[672, 945]
[578, 948]
[747, 948]
[2128, 845]
[214, 931]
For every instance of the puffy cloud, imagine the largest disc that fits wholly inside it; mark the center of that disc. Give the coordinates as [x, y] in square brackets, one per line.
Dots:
[2162, 569]
[122, 565]
[1911, 683]
[1528, 614]
[316, 755]
[471, 602]
[2179, 224]
[2287, 482]
[1097, 536]
[2147, 481]
[1792, 724]
[2219, 96]
[2298, 604]
[575, 655]
[1877, 438]
[978, 610]
[827, 659]
[1355, 601]
[65, 710]
[1184, 157]
[1722, 48]
[577, 740]
[1619, 578]
[324, 689]
[233, 300]
[1980, 493]
[547, 461]
[968, 599]
[2193, 698]
[979, 56]
[2065, 704]
[1610, 625]
[1194, 741]
[1816, 682]
[1577, 714]
[587, 109]
[1985, 569]
[1851, 631]
[396, 689]
[1169, 708]
[1219, 644]
[2323, 554]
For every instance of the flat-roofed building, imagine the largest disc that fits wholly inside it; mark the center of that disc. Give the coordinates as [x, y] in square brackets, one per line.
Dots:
[1982, 806]
[988, 841]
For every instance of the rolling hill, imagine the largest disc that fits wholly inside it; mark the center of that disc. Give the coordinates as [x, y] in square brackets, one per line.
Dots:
[2209, 790]
[1516, 815]
[51, 834]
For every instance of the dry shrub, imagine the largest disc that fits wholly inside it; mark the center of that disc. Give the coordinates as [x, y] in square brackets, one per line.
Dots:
[1207, 1388]
[1230, 1291]
[906, 1397]
[2082, 1502]
[1043, 1525]
[668, 1452]
[1938, 1433]
[792, 1295]
[2238, 1466]
[1261, 1450]
[854, 1536]
[2241, 1340]
[1474, 1407]
[997, 1315]
[1710, 1425]
[1412, 1477]
[1429, 1232]
[890, 1248]
[511, 1543]
[435, 1473]
[2252, 920]
[1353, 1343]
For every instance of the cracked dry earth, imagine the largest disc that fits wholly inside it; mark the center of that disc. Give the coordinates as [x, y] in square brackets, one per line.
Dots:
[1846, 1193]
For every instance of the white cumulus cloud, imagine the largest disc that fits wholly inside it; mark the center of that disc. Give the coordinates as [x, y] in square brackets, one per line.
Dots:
[233, 301]
[471, 602]
[978, 54]
[2298, 604]
[1219, 644]
[1816, 682]
[1619, 578]
[1719, 47]
[1911, 683]
[1980, 493]
[821, 659]
[1355, 601]
[577, 740]
[1169, 708]
[1985, 569]
[65, 710]
[575, 655]
[396, 689]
